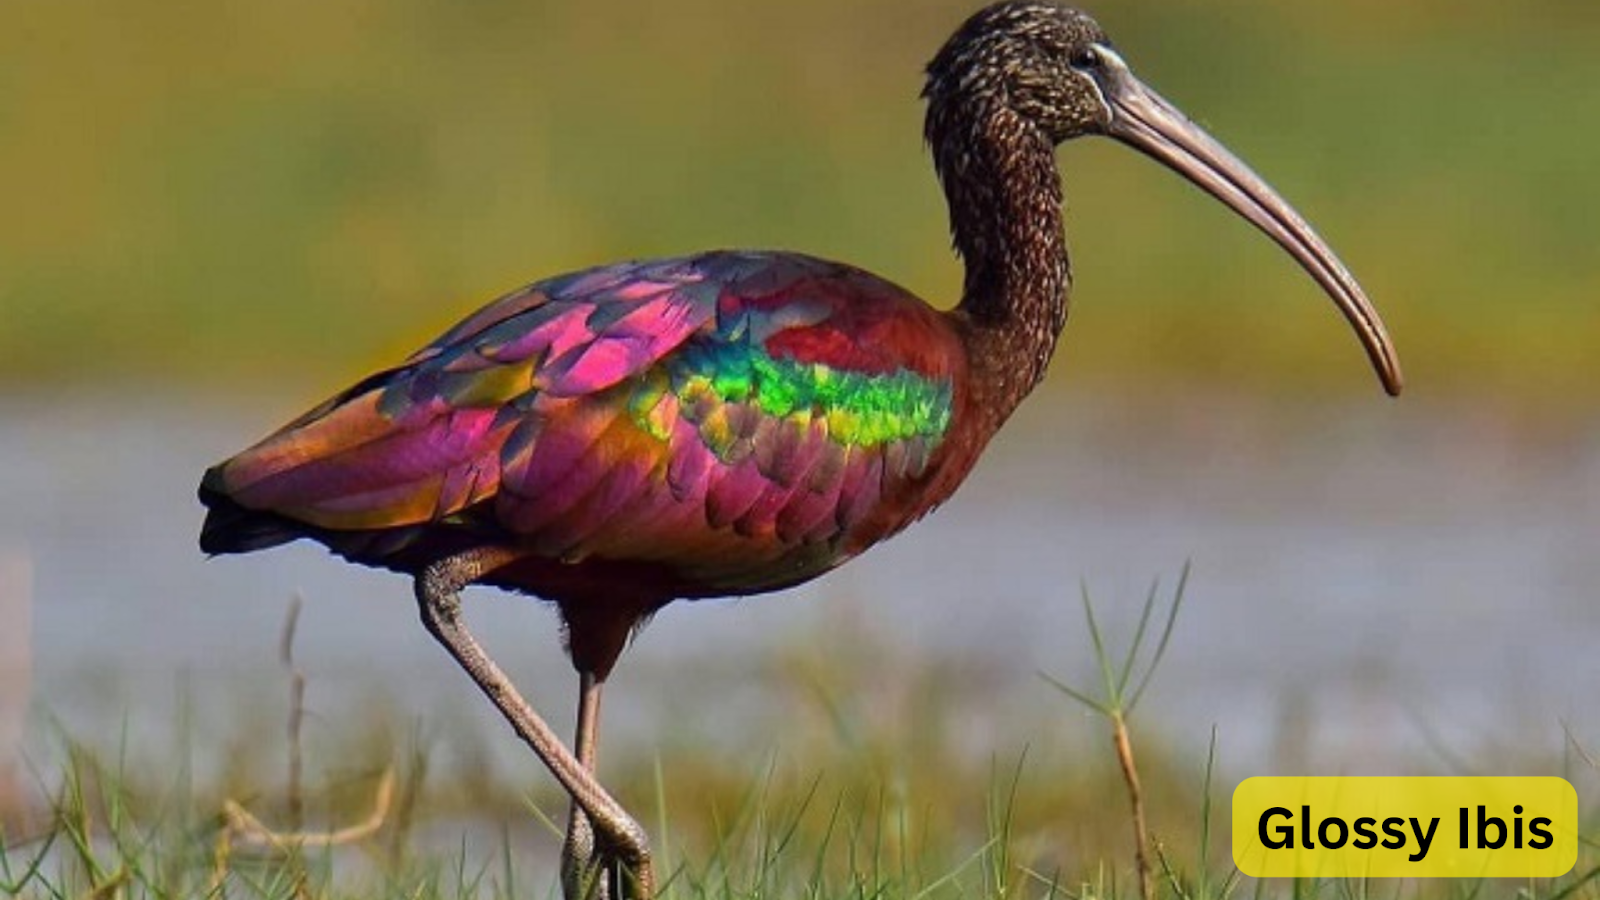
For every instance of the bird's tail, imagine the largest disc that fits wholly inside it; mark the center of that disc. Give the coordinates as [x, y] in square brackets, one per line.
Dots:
[231, 528]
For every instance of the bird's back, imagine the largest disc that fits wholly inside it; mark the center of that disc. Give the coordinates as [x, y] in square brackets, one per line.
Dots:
[720, 424]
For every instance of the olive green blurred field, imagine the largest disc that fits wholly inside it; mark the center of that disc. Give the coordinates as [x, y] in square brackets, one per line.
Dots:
[227, 193]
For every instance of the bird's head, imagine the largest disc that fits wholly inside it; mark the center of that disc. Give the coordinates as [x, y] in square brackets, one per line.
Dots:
[1035, 59]
[1031, 71]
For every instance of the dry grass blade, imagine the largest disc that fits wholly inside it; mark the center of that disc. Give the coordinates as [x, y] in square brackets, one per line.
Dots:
[111, 888]
[297, 712]
[1130, 776]
[241, 827]
[247, 829]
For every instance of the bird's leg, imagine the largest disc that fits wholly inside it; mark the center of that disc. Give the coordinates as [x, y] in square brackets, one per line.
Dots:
[583, 869]
[438, 589]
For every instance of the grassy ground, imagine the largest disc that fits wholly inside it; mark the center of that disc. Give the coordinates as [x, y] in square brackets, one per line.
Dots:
[909, 805]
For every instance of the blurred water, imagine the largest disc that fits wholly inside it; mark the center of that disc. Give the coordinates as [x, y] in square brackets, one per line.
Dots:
[1373, 581]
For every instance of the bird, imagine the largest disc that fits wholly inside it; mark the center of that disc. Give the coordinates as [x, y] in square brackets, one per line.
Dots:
[732, 422]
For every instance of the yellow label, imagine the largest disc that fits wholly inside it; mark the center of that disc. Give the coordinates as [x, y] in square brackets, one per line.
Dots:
[1361, 827]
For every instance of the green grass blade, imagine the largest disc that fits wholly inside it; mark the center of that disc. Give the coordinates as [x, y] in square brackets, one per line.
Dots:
[1102, 659]
[1166, 636]
[1138, 636]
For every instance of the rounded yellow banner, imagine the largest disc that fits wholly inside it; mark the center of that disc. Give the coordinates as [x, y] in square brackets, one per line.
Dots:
[1394, 827]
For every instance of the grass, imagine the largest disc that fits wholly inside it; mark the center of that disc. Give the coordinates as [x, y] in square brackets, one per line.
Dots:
[891, 807]
[777, 837]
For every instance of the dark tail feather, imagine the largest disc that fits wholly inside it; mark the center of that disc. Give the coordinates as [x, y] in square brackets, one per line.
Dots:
[230, 528]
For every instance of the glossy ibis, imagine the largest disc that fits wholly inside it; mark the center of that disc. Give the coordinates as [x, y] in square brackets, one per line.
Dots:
[734, 422]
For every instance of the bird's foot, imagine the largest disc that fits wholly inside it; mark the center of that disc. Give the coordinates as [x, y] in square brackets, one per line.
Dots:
[585, 874]
[627, 854]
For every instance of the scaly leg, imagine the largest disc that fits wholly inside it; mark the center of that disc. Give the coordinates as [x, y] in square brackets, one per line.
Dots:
[438, 589]
[585, 872]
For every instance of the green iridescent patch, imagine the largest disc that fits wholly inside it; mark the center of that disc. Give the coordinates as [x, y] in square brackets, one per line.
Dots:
[860, 409]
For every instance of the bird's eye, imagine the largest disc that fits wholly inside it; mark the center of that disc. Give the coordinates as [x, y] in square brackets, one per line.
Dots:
[1085, 58]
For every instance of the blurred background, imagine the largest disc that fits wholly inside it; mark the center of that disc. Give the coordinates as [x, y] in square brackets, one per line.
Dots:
[215, 214]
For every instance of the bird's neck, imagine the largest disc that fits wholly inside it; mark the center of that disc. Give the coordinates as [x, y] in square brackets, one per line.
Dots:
[1004, 191]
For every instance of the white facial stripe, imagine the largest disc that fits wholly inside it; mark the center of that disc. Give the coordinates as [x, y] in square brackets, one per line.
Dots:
[1109, 57]
[1112, 62]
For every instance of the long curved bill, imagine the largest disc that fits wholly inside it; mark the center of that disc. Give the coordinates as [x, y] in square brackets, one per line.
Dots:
[1143, 120]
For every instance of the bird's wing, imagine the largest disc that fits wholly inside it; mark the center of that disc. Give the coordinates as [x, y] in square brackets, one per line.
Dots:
[420, 442]
[665, 411]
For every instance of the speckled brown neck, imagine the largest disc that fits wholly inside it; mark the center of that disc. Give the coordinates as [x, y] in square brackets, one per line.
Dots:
[1000, 178]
